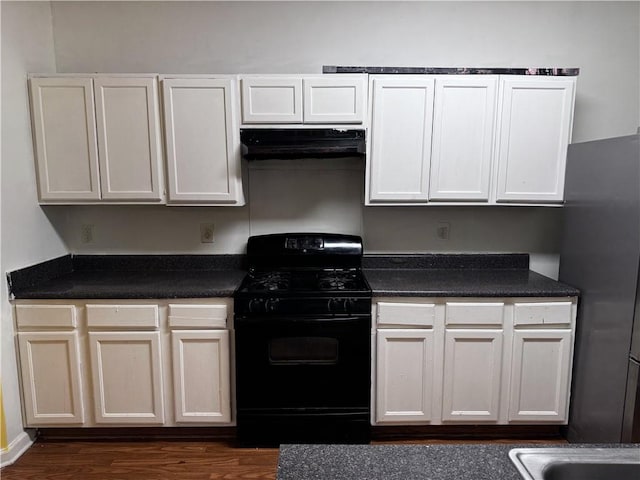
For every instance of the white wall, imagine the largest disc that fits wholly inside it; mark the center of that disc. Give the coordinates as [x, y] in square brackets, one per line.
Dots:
[27, 234]
[270, 37]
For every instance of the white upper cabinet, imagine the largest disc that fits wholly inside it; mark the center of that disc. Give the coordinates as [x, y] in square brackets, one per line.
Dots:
[202, 141]
[65, 138]
[97, 138]
[272, 100]
[463, 126]
[128, 124]
[536, 115]
[308, 99]
[400, 138]
[334, 99]
[473, 139]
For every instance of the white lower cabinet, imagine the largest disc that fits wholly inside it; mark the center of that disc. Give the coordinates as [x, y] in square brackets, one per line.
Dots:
[50, 368]
[127, 377]
[124, 362]
[472, 360]
[201, 382]
[472, 368]
[405, 375]
[540, 375]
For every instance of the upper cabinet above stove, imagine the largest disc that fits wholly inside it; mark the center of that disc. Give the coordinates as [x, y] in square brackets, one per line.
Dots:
[468, 139]
[304, 99]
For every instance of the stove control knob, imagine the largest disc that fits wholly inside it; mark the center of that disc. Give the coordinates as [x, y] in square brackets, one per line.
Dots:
[337, 305]
[349, 304]
[271, 305]
[256, 305]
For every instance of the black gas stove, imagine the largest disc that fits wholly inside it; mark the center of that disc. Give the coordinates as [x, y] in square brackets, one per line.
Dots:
[303, 349]
[304, 274]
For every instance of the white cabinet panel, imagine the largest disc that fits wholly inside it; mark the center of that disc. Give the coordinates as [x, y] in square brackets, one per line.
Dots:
[472, 371]
[202, 141]
[542, 313]
[400, 138]
[127, 377]
[540, 376]
[404, 375]
[407, 314]
[201, 376]
[271, 99]
[474, 313]
[197, 316]
[50, 366]
[334, 99]
[534, 132]
[128, 126]
[46, 316]
[122, 316]
[65, 138]
[463, 126]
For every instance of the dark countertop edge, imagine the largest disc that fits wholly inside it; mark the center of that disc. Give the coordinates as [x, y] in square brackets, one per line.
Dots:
[472, 294]
[124, 295]
[532, 71]
[494, 261]
[21, 281]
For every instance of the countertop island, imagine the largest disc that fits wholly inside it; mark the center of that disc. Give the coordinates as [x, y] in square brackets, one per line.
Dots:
[404, 462]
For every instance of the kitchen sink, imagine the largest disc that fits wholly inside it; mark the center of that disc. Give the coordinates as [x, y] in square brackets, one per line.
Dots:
[577, 463]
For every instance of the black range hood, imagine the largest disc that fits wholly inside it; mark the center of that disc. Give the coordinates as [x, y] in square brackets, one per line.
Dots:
[290, 143]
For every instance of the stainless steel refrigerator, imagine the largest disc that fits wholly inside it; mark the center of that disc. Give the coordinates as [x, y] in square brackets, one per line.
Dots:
[600, 255]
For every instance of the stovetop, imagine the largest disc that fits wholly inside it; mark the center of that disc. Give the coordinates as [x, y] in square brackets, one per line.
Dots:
[304, 282]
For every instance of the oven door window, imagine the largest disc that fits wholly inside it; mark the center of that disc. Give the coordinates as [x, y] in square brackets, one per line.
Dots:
[303, 351]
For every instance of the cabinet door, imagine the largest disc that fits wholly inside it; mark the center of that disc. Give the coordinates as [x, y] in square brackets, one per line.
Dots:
[129, 138]
[472, 370]
[464, 119]
[64, 130]
[402, 111]
[201, 375]
[202, 142]
[334, 99]
[272, 100]
[50, 366]
[404, 375]
[540, 375]
[535, 129]
[127, 377]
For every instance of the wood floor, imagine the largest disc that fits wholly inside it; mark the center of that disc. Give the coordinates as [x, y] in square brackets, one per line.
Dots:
[158, 460]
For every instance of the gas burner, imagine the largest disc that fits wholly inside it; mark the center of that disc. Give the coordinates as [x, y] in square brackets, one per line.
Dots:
[270, 281]
[337, 280]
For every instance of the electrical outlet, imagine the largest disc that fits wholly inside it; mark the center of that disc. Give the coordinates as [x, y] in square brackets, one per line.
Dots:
[86, 234]
[442, 230]
[206, 233]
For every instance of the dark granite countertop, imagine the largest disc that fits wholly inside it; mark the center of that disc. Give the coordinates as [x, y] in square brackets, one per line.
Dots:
[129, 276]
[464, 283]
[404, 462]
[197, 276]
[535, 71]
[479, 275]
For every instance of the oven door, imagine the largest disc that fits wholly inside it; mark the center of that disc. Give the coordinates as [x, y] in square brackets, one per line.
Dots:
[303, 364]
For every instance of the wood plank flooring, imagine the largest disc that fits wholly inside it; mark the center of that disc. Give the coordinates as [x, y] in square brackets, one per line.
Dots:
[162, 460]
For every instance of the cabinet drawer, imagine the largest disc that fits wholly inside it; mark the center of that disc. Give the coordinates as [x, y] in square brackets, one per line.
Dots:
[197, 316]
[122, 316]
[542, 313]
[474, 313]
[410, 314]
[45, 316]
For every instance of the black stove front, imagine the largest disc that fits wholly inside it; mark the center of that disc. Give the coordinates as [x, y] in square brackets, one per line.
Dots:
[303, 344]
